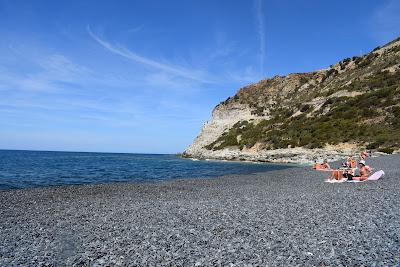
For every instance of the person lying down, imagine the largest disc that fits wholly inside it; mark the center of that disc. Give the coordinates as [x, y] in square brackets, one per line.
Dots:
[321, 166]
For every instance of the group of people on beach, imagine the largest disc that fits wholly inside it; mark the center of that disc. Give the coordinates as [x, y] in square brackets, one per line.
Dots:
[349, 169]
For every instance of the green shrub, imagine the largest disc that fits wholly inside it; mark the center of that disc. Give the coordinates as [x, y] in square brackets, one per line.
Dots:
[357, 60]
[305, 108]
[316, 145]
[375, 144]
[367, 60]
[386, 150]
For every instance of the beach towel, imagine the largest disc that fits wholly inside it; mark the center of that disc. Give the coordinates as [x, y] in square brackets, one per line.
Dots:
[356, 181]
[334, 181]
[376, 175]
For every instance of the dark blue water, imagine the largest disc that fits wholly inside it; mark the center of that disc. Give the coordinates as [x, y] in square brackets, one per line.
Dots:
[24, 169]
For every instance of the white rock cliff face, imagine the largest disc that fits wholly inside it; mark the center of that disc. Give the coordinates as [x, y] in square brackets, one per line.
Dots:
[223, 118]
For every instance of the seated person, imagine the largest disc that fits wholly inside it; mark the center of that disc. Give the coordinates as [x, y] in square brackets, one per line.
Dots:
[351, 162]
[363, 155]
[365, 172]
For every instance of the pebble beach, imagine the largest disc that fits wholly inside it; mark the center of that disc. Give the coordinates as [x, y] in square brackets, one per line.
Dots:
[287, 217]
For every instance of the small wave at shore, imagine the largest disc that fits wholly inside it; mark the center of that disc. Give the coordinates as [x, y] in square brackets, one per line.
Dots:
[26, 169]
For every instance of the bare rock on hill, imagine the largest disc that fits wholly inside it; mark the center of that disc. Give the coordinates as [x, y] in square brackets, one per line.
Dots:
[306, 116]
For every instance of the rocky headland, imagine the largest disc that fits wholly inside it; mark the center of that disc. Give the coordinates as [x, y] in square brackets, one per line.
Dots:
[353, 105]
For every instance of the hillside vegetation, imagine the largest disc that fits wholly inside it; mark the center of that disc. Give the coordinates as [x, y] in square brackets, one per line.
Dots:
[354, 101]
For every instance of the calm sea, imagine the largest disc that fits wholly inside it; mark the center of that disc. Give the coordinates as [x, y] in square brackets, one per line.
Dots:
[24, 169]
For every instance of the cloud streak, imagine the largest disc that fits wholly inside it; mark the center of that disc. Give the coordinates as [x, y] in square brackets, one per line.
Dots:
[136, 29]
[261, 32]
[53, 73]
[126, 53]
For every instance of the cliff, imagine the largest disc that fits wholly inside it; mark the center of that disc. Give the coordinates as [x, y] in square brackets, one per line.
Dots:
[302, 117]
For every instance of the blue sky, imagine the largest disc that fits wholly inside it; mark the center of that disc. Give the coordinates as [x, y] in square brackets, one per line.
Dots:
[142, 76]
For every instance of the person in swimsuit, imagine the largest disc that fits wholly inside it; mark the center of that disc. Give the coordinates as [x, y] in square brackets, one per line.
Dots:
[325, 165]
[365, 172]
[322, 166]
[363, 155]
[350, 162]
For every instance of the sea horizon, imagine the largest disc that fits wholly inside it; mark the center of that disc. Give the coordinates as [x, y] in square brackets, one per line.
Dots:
[73, 151]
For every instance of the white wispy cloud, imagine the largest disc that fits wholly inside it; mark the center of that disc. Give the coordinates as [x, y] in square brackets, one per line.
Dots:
[126, 53]
[135, 29]
[261, 32]
[56, 72]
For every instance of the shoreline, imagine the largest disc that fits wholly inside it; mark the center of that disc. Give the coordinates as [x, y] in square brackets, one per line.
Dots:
[143, 182]
[241, 160]
[297, 156]
[278, 218]
[157, 181]
[56, 169]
